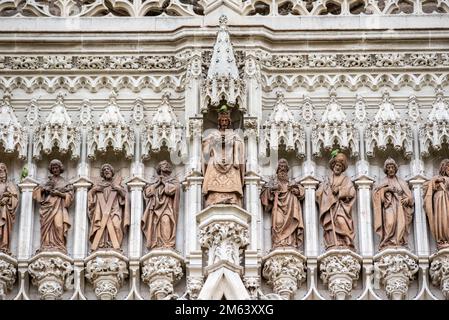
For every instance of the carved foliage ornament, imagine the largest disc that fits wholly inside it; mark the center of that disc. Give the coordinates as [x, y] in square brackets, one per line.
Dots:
[439, 273]
[51, 275]
[7, 276]
[395, 271]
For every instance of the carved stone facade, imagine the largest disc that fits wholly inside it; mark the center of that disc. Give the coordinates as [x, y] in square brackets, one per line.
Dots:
[113, 82]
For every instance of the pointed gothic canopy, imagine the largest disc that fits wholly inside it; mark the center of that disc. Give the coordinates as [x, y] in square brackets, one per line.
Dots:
[223, 81]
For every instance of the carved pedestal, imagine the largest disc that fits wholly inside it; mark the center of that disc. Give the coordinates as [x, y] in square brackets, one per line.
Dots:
[161, 269]
[8, 271]
[285, 271]
[51, 272]
[395, 268]
[107, 271]
[340, 269]
[224, 234]
[439, 271]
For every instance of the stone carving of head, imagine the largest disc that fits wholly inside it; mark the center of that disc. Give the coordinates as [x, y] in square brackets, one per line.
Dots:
[444, 168]
[390, 164]
[55, 167]
[164, 166]
[3, 172]
[107, 171]
[342, 162]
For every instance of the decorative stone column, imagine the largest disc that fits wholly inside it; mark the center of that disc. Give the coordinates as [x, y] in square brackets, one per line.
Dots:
[51, 272]
[284, 269]
[340, 269]
[161, 269]
[8, 272]
[395, 268]
[439, 271]
[107, 271]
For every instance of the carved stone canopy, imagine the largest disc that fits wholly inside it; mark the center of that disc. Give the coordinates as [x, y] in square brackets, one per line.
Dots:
[12, 136]
[223, 81]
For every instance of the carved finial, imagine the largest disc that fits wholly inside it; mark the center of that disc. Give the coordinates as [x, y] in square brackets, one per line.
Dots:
[360, 110]
[113, 96]
[60, 97]
[385, 96]
[223, 21]
[332, 93]
[85, 116]
[439, 93]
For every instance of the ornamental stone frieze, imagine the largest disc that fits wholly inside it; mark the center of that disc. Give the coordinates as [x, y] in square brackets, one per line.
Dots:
[395, 269]
[12, 136]
[285, 271]
[142, 8]
[282, 128]
[435, 131]
[57, 131]
[388, 127]
[334, 128]
[340, 269]
[164, 129]
[161, 270]
[106, 270]
[223, 81]
[51, 272]
[111, 130]
[439, 271]
[8, 271]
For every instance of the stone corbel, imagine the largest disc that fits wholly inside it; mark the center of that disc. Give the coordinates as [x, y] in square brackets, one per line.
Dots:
[161, 269]
[252, 284]
[107, 271]
[194, 286]
[340, 269]
[51, 272]
[395, 269]
[8, 272]
[439, 271]
[284, 269]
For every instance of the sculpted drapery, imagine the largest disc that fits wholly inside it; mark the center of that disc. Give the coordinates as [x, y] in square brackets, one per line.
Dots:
[436, 204]
[9, 200]
[282, 199]
[108, 211]
[393, 208]
[160, 217]
[335, 198]
[223, 164]
[55, 197]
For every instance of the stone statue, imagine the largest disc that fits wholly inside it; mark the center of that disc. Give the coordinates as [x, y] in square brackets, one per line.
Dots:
[223, 165]
[55, 197]
[335, 198]
[9, 200]
[393, 208]
[282, 198]
[436, 204]
[108, 211]
[162, 207]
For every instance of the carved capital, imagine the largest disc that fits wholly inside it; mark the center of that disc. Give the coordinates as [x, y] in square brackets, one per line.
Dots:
[161, 269]
[284, 270]
[107, 271]
[395, 268]
[439, 271]
[8, 271]
[339, 269]
[51, 272]
[251, 126]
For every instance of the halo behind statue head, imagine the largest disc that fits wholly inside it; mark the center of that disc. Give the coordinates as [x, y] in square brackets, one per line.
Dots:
[340, 158]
